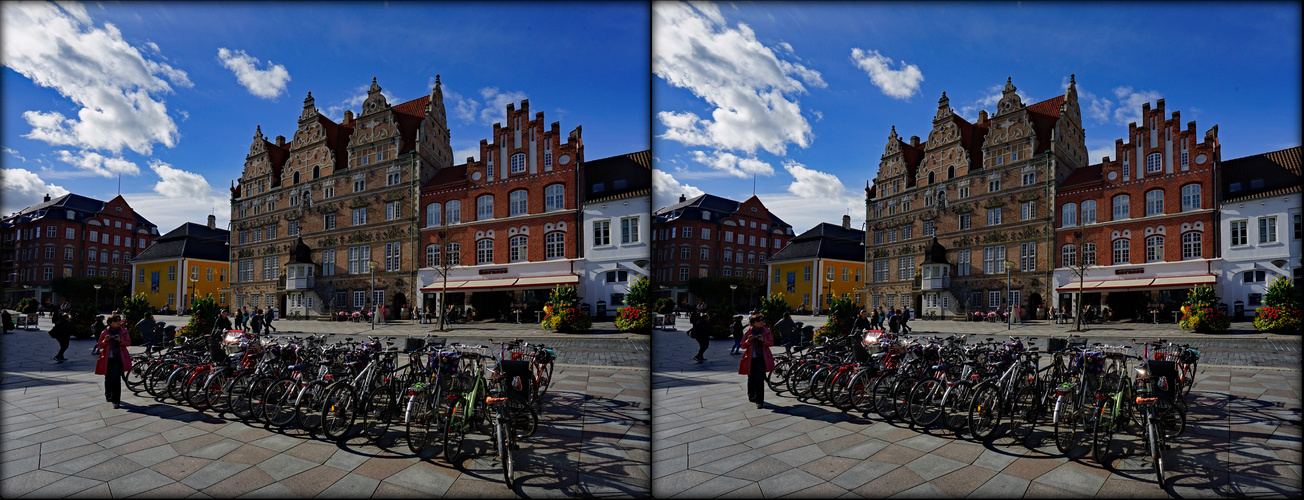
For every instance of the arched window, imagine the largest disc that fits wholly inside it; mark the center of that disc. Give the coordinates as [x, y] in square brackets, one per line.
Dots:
[1154, 163]
[453, 212]
[1155, 249]
[1122, 205]
[931, 178]
[1190, 197]
[1089, 254]
[1089, 212]
[453, 253]
[555, 245]
[518, 163]
[1069, 256]
[484, 251]
[554, 197]
[517, 248]
[316, 172]
[484, 207]
[1122, 251]
[950, 172]
[518, 203]
[432, 255]
[432, 215]
[1154, 202]
[1192, 245]
[296, 178]
[1069, 214]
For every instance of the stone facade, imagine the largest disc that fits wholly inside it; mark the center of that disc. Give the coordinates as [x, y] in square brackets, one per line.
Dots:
[985, 191]
[350, 190]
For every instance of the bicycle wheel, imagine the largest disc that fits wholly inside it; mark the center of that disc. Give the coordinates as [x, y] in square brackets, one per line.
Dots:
[1172, 417]
[214, 385]
[278, 404]
[819, 383]
[307, 408]
[377, 412]
[985, 411]
[545, 378]
[777, 378]
[926, 402]
[861, 398]
[1106, 423]
[901, 396]
[1066, 422]
[955, 407]
[504, 454]
[237, 392]
[1153, 436]
[338, 411]
[257, 393]
[524, 420]
[1024, 413]
[1188, 381]
[840, 390]
[882, 395]
[799, 382]
[176, 388]
[156, 379]
[135, 377]
[456, 425]
[418, 421]
[196, 394]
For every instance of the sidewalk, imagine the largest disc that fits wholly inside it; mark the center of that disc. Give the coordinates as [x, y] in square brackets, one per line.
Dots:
[59, 438]
[1242, 440]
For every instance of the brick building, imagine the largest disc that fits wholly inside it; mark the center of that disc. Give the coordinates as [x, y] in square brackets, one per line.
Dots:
[1147, 220]
[713, 237]
[984, 190]
[349, 193]
[70, 236]
[501, 231]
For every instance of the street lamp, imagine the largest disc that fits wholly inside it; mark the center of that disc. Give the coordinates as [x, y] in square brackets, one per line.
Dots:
[194, 282]
[831, 294]
[732, 304]
[371, 264]
[1009, 308]
[97, 296]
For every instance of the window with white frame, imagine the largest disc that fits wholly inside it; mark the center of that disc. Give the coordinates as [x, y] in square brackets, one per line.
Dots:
[993, 260]
[1069, 215]
[993, 216]
[245, 270]
[453, 253]
[518, 200]
[993, 185]
[516, 249]
[484, 207]
[1027, 256]
[358, 258]
[359, 185]
[629, 230]
[359, 299]
[1089, 254]
[1089, 212]
[994, 299]
[962, 264]
[1029, 177]
[704, 254]
[392, 178]
[805, 274]
[359, 216]
[270, 271]
[1155, 248]
[292, 228]
[432, 215]
[392, 211]
[1069, 255]
[1190, 197]
[683, 274]
[688, 231]
[1154, 202]
[683, 252]
[928, 228]
[1268, 229]
[432, 255]
[518, 163]
[554, 197]
[1122, 251]
[965, 221]
[1027, 210]
[1154, 163]
[484, 251]
[1122, 206]
[328, 262]
[602, 233]
[453, 212]
[392, 256]
[1192, 245]
[706, 233]
[554, 245]
[327, 223]
[1239, 229]
[1298, 224]
[905, 268]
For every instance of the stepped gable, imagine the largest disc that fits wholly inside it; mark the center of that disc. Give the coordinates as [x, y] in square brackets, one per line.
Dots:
[409, 116]
[1044, 115]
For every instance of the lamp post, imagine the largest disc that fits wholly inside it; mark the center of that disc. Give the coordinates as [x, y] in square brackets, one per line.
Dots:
[371, 265]
[831, 294]
[97, 296]
[1009, 308]
[194, 282]
[732, 304]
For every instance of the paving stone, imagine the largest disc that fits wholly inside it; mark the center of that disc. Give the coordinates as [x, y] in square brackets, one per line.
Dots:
[311, 482]
[931, 467]
[347, 459]
[351, 486]
[963, 481]
[715, 486]
[150, 456]
[213, 473]
[926, 490]
[138, 482]
[242, 482]
[862, 473]
[788, 482]
[1002, 486]
[862, 450]
[216, 450]
[798, 456]
[995, 460]
[283, 466]
[424, 478]
[81, 463]
[65, 487]
[895, 481]
[827, 468]
[731, 462]
[274, 490]
[277, 442]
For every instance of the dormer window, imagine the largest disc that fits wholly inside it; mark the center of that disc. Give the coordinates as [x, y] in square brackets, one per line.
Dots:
[1256, 184]
[619, 184]
[1234, 187]
[599, 187]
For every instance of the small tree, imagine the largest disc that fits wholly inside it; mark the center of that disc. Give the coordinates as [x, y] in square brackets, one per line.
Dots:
[1281, 311]
[27, 305]
[562, 312]
[773, 307]
[636, 316]
[1199, 313]
[204, 312]
[133, 310]
[1083, 263]
[842, 315]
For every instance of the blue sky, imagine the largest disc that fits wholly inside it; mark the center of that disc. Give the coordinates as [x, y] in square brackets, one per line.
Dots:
[802, 97]
[169, 95]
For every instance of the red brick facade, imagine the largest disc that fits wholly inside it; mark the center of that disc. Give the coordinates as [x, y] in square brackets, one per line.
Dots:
[713, 237]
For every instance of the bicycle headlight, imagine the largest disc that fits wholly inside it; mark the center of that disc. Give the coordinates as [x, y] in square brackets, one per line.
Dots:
[1141, 372]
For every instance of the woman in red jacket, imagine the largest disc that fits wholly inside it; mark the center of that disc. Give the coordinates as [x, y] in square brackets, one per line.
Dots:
[114, 359]
[757, 359]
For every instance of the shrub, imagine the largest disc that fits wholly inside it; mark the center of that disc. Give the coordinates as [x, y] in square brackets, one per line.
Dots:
[1199, 312]
[204, 312]
[665, 305]
[773, 307]
[638, 295]
[1281, 311]
[27, 305]
[634, 319]
[842, 315]
[133, 310]
[562, 311]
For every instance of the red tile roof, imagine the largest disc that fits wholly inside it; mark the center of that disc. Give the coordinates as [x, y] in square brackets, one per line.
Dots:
[409, 116]
[1044, 115]
[1084, 175]
[446, 176]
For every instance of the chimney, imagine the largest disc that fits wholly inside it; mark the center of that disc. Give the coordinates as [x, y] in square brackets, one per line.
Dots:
[212, 222]
[348, 116]
[846, 221]
[914, 141]
[47, 196]
[982, 115]
[682, 198]
[280, 141]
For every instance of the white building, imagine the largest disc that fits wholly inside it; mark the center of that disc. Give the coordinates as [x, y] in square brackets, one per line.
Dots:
[1260, 226]
[616, 228]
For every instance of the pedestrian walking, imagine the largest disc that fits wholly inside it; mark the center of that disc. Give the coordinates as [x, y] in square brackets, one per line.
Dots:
[862, 321]
[905, 320]
[96, 329]
[223, 322]
[146, 326]
[757, 359]
[61, 331]
[736, 329]
[267, 320]
[257, 321]
[6, 321]
[65, 308]
[114, 359]
[239, 318]
[701, 332]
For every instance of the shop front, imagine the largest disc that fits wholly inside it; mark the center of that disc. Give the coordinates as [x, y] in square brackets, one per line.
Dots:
[1149, 293]
[514, 293]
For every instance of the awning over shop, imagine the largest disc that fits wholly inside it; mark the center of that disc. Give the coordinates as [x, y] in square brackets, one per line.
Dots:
[502, 283]
[1139, 283]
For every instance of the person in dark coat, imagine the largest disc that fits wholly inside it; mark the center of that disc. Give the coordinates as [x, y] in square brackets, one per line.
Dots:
[256, 322]
[114, 359]
[862, 321]
[223, 322]
[736, 329]
[239, 318]
[6, 321]
[61, 331]
[785, 327]
[701, 332]
[905, 319]
[146, 326]
[268, 316]
[97, 328]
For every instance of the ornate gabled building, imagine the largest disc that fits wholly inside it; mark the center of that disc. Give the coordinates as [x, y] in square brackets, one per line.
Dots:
[350, 190]
[985, 190]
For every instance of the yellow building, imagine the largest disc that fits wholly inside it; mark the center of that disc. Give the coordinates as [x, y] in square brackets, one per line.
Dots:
[187, 262]
[824, 262]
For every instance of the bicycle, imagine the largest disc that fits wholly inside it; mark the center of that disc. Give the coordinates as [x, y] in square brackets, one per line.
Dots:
[992, 399]
[468, 411]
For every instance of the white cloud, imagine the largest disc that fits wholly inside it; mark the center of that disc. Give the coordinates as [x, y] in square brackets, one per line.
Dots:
[897, 84]
[988, 101]
[180, 184]
[666, 190]
[489, 109]
[1095, 155]
[460, 156]
[168, 213]
[745, 82]
[22, 189]
[813, 184]
[99, 164]
[336, 112]
[1129, 104]
[734, 165]
[265, 83]
[11, 151]
[58, 47]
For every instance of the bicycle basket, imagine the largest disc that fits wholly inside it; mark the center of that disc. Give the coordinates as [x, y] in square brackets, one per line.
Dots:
[1190, 356]
[1095, 362]
[545, 356]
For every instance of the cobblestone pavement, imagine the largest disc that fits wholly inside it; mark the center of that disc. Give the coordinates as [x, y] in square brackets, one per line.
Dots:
[1242, 440]
[59, 439]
